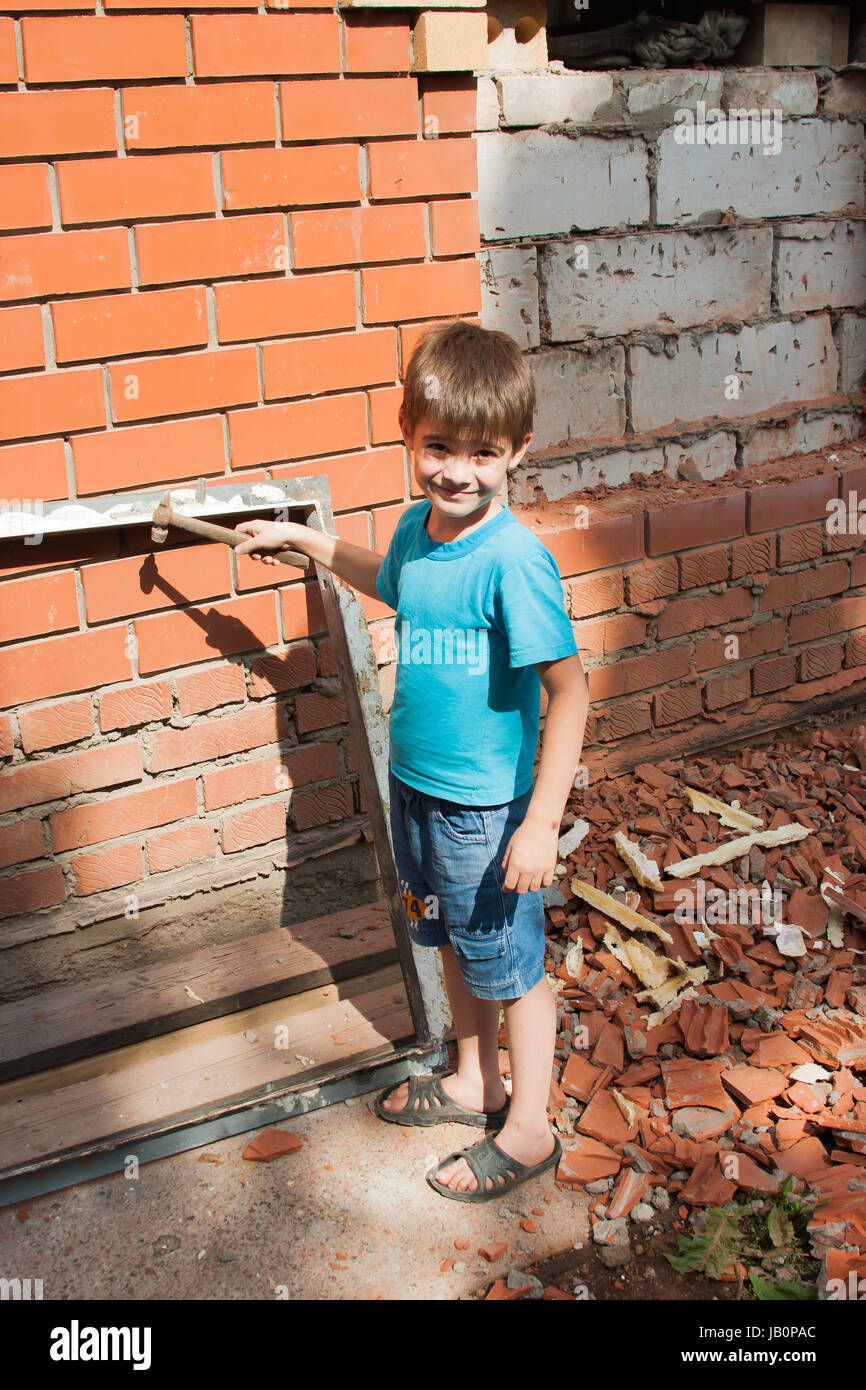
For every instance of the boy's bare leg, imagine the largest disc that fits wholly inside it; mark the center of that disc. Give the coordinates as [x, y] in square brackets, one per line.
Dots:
[476, 1082]
[531, 1025]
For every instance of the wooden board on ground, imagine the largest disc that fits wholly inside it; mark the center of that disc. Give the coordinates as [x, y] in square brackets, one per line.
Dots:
[198, 1080]
[72, 1021]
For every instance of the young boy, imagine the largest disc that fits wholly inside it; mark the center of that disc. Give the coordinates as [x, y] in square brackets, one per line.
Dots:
[480, 626]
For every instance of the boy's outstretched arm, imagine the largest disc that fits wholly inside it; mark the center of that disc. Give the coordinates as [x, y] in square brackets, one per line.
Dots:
[353, 563]
[531, 855]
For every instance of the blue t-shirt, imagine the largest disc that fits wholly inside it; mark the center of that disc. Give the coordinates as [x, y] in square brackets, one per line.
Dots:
[474, 615]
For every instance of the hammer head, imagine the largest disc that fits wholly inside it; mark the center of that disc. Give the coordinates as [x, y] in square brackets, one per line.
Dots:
[161, 520]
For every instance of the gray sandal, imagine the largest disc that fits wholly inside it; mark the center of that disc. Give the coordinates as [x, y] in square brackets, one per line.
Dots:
[487, 1160]
[414, 1112]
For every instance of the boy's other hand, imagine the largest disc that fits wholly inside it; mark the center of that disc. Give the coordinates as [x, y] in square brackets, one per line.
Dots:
[530, 857]
[264, 536]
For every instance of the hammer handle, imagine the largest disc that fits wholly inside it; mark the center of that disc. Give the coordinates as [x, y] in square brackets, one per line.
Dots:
[222, 533]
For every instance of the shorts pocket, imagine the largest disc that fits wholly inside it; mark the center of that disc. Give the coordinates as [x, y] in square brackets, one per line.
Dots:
[463, 824]
[479, 945]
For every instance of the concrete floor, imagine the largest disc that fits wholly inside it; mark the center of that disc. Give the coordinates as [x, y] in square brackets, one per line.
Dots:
[190, 1228]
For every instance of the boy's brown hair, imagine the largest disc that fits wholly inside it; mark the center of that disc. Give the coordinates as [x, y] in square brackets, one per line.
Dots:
[473, 383]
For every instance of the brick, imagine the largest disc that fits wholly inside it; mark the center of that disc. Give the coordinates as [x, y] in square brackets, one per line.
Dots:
[666, 91]
[698, 179]
[384, 422]
[803, 586]
[51, 403]
[355, 107]
[217, 738]
[43, 466]
[789, 504]
[167, 185]
[47, 263]
[699, 568]
[282, 671]
[181, 845]
[699, 523]
[672, 706]
[772, 364]
[146, 454]
[454, 228]
[8, 56]
[691, 615]
[321, 806]
[56, 123]
[796, 93]
[205, 114]
[604, 286]
[526, 183]
[510, 291]
[96, 48]
[291, 177]
[254, 827]
[181, 638]
[21, 842]
[376, 43]
[319, 711]
[134, 705]
[580, 395]
[31, 891]
[784, 35]
[206, 690]
[249, 780]
[54, 725]
[52, 779]
[116, 325]
[134, 585]
[41, 605]
[767, 443]
[851, 342]
[348, 236]
[24, 197]
[21, 343]
[123, 815]
[535, 99]
[61, 665]
[182, 382]
[399, 292]
[302, 611]
[109, 868]
[845, 95]
[211, 248]
[247, 45]
[586, 1161]
[300, 429]
[329, 362]
[262, 309]
[820, 265]
[487, 108]
[448, 105]
[6, 740]
[420, 169]
[452, 41]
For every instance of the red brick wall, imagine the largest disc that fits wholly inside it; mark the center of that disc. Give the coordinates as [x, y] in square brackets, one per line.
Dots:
[221, 236]
[710, 611]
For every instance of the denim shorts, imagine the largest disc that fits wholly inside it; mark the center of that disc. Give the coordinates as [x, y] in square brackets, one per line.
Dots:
[449, 870]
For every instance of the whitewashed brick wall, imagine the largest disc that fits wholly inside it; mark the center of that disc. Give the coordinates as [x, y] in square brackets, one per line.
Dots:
[700, 303]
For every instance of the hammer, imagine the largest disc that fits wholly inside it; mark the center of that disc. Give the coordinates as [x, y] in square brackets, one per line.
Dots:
[164, 517]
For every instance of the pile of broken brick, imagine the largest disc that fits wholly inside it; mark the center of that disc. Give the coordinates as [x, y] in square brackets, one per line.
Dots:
[707, 947]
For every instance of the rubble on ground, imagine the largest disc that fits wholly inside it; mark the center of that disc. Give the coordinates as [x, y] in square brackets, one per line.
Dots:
[712, 1025]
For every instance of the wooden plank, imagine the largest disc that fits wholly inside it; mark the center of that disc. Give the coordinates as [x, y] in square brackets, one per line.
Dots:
[62, 1024]
[154, 1094]
[254, 1019]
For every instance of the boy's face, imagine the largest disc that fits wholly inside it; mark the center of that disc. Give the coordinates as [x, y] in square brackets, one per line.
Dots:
[459, 478]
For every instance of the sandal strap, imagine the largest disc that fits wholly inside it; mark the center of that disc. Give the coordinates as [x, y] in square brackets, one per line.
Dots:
[428, 1086]
[487, 1160]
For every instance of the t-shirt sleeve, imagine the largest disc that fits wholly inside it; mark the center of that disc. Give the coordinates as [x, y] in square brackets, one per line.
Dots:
[530, 608]
[386, 579]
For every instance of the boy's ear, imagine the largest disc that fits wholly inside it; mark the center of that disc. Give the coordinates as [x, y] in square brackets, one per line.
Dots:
[516, 458]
